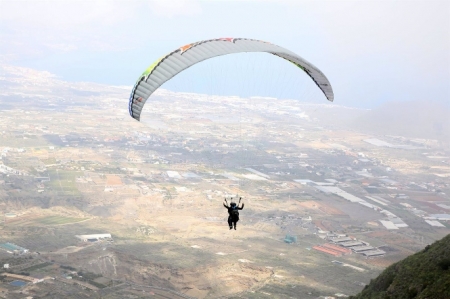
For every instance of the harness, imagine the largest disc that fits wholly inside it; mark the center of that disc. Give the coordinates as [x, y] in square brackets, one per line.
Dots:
[234, 213]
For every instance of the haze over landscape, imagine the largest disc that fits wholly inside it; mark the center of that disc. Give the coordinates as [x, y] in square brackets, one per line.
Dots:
[98, 205]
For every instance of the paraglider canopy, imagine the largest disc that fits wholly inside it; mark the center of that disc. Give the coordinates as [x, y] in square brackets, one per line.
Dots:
[186, 56]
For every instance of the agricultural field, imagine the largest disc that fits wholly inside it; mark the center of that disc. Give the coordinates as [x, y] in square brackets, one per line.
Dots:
[50, 220]
[64, 182]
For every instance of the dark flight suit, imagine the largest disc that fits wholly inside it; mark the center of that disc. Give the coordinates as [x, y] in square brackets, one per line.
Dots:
[233, 215]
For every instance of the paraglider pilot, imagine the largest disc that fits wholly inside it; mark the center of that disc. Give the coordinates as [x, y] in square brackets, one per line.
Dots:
[233, 212]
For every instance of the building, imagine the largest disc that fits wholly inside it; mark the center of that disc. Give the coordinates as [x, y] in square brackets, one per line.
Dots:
[376, 252]
[13, 248]
[327, 250]
[398, 222]
[351, 243]
[341, 239]
[93, 237]
[388, 224]
[434, 223]
[290, 239]
[445, 217]
[340, 249]
[360, 249]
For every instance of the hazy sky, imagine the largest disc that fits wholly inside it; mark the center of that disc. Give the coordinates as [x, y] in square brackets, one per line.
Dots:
[371, 51]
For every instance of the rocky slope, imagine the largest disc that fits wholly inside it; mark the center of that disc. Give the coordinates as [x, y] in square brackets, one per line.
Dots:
[425, 274]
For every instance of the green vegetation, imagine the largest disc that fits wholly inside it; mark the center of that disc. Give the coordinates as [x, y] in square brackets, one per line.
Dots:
[87, 276]
[14, 261]
[38, 266]
[64, 181]
[67, 268]
[98, 285]
[425, 274]
[91, 278]
[56, 219]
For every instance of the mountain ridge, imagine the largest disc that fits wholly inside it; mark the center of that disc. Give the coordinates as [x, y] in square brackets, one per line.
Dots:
[423, 275]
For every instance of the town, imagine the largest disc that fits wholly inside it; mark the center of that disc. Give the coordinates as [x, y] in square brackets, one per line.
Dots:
[96, 202]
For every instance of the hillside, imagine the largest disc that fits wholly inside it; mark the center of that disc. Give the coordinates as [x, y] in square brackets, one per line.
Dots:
[425, 274]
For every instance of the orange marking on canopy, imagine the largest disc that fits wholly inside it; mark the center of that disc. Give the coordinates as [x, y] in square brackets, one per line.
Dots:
[228, 39]
[186, 47]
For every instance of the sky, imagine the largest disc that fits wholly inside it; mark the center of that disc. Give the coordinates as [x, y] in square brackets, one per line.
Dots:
[371, 51]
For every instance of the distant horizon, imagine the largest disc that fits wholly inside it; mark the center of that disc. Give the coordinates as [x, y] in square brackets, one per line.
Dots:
[371, 51]
[128, 88]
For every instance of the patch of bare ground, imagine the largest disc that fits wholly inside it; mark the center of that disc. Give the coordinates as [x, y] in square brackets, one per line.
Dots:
[184, 244]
